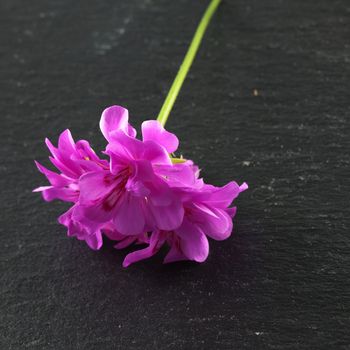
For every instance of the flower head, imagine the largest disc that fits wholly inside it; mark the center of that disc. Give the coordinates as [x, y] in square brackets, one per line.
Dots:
[140, 194]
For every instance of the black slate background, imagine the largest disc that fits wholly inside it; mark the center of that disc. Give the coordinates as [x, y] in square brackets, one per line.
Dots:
[282, 280]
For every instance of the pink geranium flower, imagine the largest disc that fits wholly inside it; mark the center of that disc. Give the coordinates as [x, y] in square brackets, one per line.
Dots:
[132, 191]
[139, 195]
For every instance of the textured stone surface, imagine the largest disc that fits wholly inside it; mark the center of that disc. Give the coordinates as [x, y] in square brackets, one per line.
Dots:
[282, 280]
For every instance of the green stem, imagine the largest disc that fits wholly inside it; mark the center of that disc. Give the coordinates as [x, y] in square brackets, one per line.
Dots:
[187, 62]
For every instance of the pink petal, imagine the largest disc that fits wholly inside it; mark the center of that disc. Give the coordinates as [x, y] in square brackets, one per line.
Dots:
[62, 154]
[65, 194]
[178, 175]
[215, 223]
[161, 194]
[137, 188]
[85, 154]
[92, 218]
[66, 142]
[128, 216]
[115, 118]
[143, 171]
[73, 227]
[52, 148]
[193, 242]
[92, 237]
[131, 131]
[222, 197]
[66, 217]
[94, 241]
[64, 169]
[117, 162]
[167, 217]
[54, 178]
[155, 243]
[87, 165]
[125, 146]
[94, 186]
[152, 130]
[84, 149]
[156, 153]
[96, 214]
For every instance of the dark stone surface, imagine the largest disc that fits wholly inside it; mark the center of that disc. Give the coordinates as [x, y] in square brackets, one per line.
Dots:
[282, 280]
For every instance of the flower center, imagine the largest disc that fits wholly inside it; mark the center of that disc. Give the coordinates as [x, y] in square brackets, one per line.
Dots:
[118, 182]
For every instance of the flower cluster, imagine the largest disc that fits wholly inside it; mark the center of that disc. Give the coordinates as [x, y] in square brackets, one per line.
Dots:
[140, 194]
